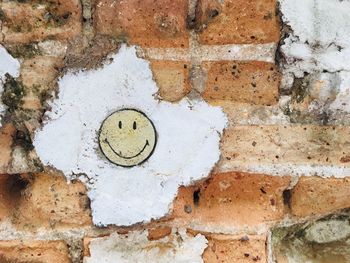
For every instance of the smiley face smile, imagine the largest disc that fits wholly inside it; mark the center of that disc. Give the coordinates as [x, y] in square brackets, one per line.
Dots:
[127, 137]
[125, 157]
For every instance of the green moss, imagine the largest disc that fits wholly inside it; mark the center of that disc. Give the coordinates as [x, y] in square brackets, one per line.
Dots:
[293, 242]
[300, 89]
[2, 15]
[24, 51]
[44, 96]
[121, 38]
[13, 94]
[54, 18]
[22, 138]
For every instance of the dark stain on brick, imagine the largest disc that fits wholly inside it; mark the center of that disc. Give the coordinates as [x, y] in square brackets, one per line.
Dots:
[16, 184]
[196, 197]
[287, 196]
[345, 159]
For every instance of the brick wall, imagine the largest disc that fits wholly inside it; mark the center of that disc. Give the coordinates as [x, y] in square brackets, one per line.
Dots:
[278, 69]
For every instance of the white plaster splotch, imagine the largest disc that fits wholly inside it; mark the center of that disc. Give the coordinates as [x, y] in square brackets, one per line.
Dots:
[135, 247]
[8, 65]
[187, 148]
[328, 231]
[320, 37]
[342, 100]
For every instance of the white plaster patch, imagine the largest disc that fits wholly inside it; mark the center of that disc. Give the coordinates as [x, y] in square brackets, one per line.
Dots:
[246, 52]
[135, 247]
[187, 147]
[9, 65]
[321, 35]
[342, 100]
[328, 231]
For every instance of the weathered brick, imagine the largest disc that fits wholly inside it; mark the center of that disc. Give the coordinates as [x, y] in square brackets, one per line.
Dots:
[315, 195]
[34, 251]
[28, 21]
[47, 200]
[6, 140]
[252, 147]
[228, 248]
[38, 75]
[172, 78]
[232, 200]
[238, 21]
[158, 232]
[135, 246]
[5, 201]
[249, 82]
[147, 23]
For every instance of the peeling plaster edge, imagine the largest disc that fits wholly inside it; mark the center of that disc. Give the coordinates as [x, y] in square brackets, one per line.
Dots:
[214, 228]
[269, 250]
[324, 171]
[240, 52]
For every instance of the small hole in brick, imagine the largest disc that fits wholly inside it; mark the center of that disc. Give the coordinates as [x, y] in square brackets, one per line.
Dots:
[263, 190]
[213, 13]
[16, 184]
[287, 196]
[196, 196]
[188, 209]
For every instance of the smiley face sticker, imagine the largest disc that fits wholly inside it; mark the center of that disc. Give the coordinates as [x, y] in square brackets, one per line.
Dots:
[127, 137]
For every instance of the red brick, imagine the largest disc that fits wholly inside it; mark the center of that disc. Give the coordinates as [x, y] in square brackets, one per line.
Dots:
[39, 75]
[240, 249]
[239, 22]
[248, 82]
[33, 251]
[33, 21]
[5, 201]
[232, 200]
[158, 232]
[316, 195]
[148, 23]
[47, 200]
[6, 140]
[290, 145]
[172, 78]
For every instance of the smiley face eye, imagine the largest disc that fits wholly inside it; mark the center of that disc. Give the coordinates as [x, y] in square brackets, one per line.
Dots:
[134, 125]
[120, 125]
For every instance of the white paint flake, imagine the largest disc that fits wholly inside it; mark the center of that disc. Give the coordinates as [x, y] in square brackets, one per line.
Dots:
[320, 38]
[187, 148]
[135, 247]
[9, 65]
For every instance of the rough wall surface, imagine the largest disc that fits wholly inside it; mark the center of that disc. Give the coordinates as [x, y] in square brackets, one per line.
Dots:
[250, 102]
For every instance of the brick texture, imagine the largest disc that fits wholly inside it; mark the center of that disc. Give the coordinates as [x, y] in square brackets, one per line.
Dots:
[172, 78]
[45, 200]
[6, 139]
[242, 249]
[28, 21]
[249, 82]
[33, 251]
[315, 196]
[238, 22]
[285, 155]
[39, 74]
[245, 146]
[232, 200]
[147, 23]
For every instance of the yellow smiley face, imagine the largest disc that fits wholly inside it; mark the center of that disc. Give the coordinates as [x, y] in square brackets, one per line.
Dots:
[127, 137]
